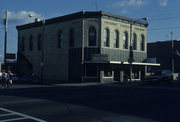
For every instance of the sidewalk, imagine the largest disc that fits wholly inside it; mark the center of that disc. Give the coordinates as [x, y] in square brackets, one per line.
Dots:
[172, 84]
[77, 84]
[128, 84]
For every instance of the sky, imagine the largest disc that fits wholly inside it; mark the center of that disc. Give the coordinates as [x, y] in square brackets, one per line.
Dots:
[163, 15]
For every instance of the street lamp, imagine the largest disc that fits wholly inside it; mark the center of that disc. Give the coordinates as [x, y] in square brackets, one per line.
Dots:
[42, 49]
[131, 55]
[172, 48]
[5, 39]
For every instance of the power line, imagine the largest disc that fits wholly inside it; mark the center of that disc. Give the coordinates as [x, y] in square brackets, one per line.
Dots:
[164, 28]
[164, 18]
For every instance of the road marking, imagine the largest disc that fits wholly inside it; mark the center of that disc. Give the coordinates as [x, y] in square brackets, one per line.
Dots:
[15, 119]
[1, 115]
[21, 116]
[21, 101]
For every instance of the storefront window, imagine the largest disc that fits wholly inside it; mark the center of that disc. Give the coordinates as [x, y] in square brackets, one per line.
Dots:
[108, 73]
[91, 70]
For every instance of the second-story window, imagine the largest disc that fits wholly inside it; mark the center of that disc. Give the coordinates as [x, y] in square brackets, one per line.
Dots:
[39, 42]
[23, 44]
[106, 37]
[71, 38]
[125, 40]
[142, 43]
[31, 43]
[134, 41]
[92, 36]
[116, 39]
[60, 39]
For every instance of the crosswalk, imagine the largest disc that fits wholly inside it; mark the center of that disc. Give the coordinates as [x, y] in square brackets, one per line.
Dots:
[10, 116]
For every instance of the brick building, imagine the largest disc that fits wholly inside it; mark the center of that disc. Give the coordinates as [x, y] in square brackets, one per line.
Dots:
[83, 47]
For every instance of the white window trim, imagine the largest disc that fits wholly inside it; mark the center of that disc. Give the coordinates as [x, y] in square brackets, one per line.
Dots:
[110, 76]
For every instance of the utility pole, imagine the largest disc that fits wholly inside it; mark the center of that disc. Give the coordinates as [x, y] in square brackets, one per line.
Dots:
[96, 4]
[130, 60]
[131, 57]
[82, 51]
[5, 38]
[42, 50]
[172, 46]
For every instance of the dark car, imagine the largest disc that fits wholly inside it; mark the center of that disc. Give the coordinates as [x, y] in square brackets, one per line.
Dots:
[159, 76]
[29, 78]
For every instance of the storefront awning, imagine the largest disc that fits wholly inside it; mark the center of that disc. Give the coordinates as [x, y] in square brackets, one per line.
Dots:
[122, 63]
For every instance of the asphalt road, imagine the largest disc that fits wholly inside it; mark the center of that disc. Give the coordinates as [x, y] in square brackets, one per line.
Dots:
[89, 103]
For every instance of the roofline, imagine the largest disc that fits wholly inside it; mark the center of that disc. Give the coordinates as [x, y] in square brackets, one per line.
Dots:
[83, 14]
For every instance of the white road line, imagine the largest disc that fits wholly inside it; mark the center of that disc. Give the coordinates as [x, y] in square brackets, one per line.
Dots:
[15, 119]
[23, 116]
[1, 115]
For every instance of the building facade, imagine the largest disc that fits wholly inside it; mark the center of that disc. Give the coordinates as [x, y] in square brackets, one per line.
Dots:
[165, 52]
[82, 47]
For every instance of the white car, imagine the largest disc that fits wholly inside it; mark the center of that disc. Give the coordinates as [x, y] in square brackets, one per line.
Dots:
[0, 75]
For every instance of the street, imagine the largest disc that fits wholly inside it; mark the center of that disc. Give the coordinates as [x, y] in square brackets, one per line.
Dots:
[89, 103]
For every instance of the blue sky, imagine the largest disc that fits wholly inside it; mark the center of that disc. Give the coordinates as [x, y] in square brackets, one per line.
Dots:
[163, 15]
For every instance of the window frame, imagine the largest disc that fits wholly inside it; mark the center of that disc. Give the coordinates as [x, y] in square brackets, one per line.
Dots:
[22, 44]
[60, 39]
[106, 41]
[134, 41]
[125, 40]
[116, 39]
[71, 38]
[142, 42]
[30, 43]
[39, 42]
[92, 40]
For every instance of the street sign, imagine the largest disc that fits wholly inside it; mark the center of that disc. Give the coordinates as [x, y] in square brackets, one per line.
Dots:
[10, 56]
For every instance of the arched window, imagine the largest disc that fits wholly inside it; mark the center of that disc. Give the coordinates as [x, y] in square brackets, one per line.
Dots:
[23, 44]
[31, 43]
[71, 38]
[142, 43]
[60, 39]
[92, 36]
[106, 37]
[39, 42]
[125, 40]
[116, 39]
[134, 42]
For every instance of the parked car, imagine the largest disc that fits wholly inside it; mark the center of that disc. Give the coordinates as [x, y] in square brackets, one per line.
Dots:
[0, 76]
[159, 75]
[29, 78]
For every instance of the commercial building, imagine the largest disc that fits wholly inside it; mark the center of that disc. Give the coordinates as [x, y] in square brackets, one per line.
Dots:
[166, 53]
[84, 47]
